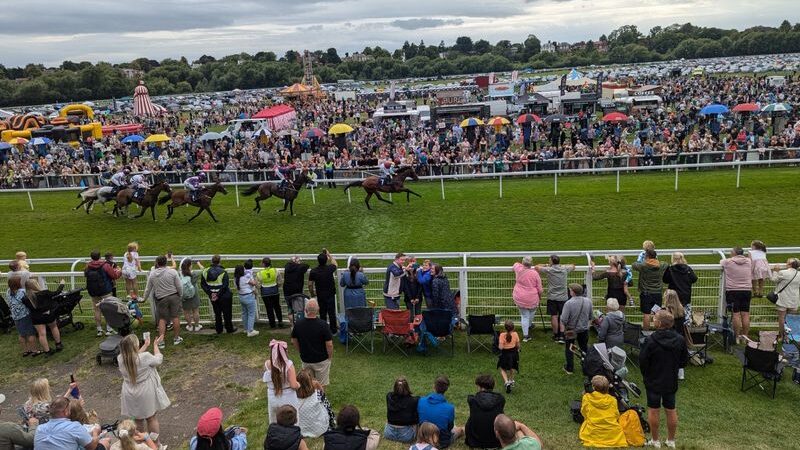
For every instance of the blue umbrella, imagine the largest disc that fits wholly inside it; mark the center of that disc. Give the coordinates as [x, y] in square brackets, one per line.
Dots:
[40, 141]
[132, 138]
[5, 146]
[714, 109]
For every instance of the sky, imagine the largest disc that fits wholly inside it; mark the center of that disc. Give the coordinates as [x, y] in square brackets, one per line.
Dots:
[117, 31]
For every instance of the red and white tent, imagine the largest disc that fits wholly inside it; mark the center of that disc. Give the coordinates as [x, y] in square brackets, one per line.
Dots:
[279, 117]
[142, 106]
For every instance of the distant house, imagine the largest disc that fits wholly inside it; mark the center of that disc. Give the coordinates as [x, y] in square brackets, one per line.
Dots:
[601, 46]
[549, 47]
[132, 74]
[578, 45]
[563, 47]
[357, 57]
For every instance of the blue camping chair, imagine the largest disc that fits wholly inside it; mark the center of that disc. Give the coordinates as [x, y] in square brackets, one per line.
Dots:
[439, 323]
[791, 350]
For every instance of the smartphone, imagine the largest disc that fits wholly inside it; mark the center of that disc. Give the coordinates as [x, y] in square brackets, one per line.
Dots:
[146, 335]
[75, 392]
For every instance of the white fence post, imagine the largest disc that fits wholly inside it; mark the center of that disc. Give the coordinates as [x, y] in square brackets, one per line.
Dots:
[676, 179]
[441, 179]
[313, 196]
[501, 185]
[236, 187]
[738, 174]
[349, 200]
[462, 286]
[618, 181]
[555, 183]
[30, 200]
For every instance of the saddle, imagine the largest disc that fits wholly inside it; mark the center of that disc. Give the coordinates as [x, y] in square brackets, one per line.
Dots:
[138, 193]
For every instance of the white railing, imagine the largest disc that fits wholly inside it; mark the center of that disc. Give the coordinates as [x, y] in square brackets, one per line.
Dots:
[484, 289]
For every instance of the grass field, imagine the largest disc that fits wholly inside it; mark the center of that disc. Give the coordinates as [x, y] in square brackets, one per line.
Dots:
[707, 211]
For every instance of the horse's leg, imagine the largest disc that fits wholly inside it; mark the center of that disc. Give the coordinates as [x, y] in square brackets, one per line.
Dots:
[366, 200]
[408, 194]
[153, 211]
[378, 194]
[170, 210]
[80, 204]
[285, 205]
[200, 210]
[258, 205]
[291, 206]
[211, 214]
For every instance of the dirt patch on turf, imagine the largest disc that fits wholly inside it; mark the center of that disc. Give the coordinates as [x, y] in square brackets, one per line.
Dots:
[195, 378]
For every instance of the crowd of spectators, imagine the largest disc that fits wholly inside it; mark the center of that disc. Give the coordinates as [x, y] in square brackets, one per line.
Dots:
[297, 404]
[670, 133]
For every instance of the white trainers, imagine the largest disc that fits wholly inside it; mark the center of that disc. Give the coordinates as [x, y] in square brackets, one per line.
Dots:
[652, 443]
[189, 327]
[681, 376]
[161, 344]
[110, 332]
[177, 340]
[669, 444]
[99, 332]
[198, 327]
[253, 333]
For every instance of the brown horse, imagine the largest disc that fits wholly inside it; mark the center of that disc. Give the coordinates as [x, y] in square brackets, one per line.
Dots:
[270, 189]
[148, 200]
[373, 185]
[183, 197]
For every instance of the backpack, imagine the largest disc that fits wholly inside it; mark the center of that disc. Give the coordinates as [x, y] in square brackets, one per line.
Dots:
[97, 281]
[189, 289]
[632, 427]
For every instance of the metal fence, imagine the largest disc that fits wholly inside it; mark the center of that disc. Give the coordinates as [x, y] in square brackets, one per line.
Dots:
[484, 290]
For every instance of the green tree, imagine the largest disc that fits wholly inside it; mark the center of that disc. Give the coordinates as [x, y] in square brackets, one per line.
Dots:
[463, 44]
[532, 46]
[482, 46]
[624, 35]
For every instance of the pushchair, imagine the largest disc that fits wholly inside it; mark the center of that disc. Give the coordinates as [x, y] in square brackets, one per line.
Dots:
[6, 323]
[63, 305]
[117, 317]
[600, 360]
[297, 305]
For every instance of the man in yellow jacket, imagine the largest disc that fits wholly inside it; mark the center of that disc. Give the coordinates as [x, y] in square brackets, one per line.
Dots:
[600, 427]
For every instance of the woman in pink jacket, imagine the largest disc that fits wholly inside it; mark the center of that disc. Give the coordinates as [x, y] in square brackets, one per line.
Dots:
[526, 294]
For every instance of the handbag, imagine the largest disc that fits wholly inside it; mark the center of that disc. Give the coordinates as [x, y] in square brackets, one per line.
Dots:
[571, 334]
[773, 296]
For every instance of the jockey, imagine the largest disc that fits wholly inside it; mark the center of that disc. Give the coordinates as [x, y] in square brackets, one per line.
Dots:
[387, 172]
[119, 180]
[284, 171]
[192, 184]
[139, 184]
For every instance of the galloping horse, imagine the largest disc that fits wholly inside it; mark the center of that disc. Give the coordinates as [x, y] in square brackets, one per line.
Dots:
[373, 185]
[183, 197]
[91, 195]
[270, 189]
[148, 200]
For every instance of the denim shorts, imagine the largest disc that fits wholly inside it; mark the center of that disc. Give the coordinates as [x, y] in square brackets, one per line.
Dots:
[25, 326]
[400, 433]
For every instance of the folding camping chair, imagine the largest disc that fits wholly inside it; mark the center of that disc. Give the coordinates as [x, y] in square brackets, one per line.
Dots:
[439, 323]
[759, 367]
[697, 338]
[633, 339]
[396, 329]
[767, 340]
[478, 328]
[360, 328]
[723, 332]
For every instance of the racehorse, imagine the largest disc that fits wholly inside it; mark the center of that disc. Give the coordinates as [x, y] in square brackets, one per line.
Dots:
[91, 195]
[148, 200]
[373, 185]
[183, 197]
[270, 189]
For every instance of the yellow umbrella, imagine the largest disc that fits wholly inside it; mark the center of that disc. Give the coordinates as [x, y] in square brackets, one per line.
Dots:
[471, 122]
[340, 128]
[157, 138]
[18, 141]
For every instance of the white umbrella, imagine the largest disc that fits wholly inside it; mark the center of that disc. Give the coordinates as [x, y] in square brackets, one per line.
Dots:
[211, 136]
[262, 132]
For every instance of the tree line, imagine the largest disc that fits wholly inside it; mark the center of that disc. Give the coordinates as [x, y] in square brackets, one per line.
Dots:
[71, 81]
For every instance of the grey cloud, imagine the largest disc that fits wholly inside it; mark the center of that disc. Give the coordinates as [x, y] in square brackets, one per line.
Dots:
[416, 24]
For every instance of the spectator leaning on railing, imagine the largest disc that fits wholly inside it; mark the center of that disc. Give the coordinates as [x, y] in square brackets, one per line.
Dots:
[165, 285]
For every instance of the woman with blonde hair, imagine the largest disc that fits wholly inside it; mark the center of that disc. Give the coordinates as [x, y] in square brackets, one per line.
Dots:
[40, 302]
[281, 379]
[132, 439]
[142, 393]
[38, 403]
[673, 304]
[131, 265]
[680, 277]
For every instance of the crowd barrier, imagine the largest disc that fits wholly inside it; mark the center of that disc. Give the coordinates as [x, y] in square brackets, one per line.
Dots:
[484, 289]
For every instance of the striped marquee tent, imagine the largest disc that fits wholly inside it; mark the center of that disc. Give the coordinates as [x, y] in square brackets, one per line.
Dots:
[142, 106]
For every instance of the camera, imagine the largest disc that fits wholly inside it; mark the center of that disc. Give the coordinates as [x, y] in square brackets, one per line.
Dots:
[110, 427]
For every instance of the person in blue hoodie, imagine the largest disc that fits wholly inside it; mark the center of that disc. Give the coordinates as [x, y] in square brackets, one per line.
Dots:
[435, 408]
[424, 277]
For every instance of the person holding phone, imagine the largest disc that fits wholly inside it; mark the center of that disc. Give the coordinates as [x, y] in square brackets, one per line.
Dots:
[143, 396]
[12, 434]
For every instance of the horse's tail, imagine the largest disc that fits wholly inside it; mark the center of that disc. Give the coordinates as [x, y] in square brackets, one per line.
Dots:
[251, 190]
[82, 191]
[164, 199]
[352, 184]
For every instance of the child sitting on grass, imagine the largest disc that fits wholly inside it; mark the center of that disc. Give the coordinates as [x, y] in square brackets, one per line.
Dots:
[600, 427]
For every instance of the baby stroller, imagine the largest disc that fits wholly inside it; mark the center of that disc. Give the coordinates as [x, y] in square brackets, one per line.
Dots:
[297, 305]
[63, 305]
[600, 360]
[117, 317]
[6, 323]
